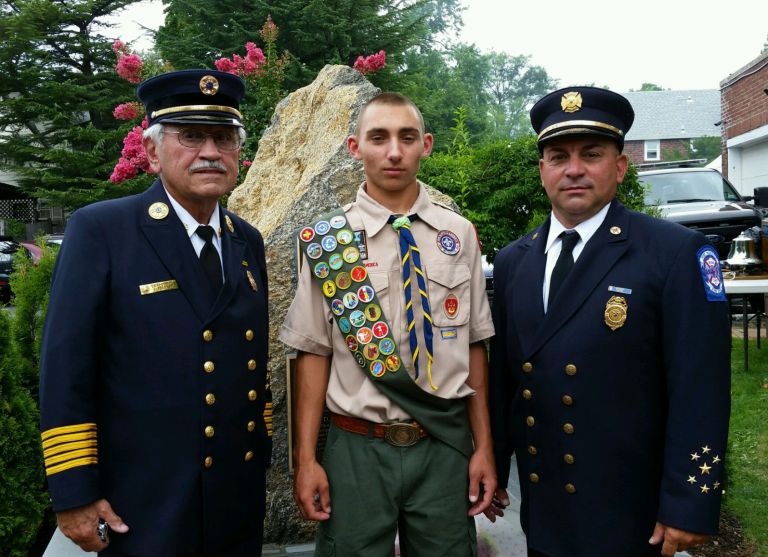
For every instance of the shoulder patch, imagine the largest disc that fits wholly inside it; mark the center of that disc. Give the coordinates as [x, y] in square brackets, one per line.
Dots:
[444, 206]
[709, 265]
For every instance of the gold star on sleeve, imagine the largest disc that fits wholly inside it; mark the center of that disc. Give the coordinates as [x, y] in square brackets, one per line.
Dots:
[704, 489]
[691, 480]
[716, 485]
[704, 468]
[716, 459]
[705, 449]
[694, 456]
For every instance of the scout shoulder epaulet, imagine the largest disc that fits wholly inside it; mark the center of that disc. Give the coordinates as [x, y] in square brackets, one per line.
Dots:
[445, 206]
[347, 207]
[336, 265]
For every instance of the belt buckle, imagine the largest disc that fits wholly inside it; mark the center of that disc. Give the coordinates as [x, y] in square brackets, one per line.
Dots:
[401, 434]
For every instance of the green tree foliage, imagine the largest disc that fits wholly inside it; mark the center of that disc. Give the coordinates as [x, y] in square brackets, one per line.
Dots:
[58, 92]
[649, 87]
[497, 185]
[22, 494]
[708, 148]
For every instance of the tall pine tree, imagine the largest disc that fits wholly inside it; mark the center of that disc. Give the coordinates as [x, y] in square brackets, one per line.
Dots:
[58, 91]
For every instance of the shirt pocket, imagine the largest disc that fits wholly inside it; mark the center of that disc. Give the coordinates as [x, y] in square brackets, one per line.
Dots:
[449, 295]
[380, 284]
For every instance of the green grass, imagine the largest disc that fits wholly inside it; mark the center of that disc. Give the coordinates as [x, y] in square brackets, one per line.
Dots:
[746, 494]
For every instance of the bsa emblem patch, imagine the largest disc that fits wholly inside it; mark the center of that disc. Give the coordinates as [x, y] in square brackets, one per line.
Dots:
[451, 306]
[571, 102]
[615, 312]
[448, 242]
[158, 211]
[709, 265]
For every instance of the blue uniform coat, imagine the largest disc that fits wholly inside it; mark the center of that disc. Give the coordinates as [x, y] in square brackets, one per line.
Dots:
[611, 427]
[159, 401]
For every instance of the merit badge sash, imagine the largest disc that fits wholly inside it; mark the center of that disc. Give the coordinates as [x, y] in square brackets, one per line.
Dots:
[335, 262]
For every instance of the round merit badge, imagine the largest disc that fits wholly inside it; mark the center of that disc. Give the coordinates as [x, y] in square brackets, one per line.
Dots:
[370, 351]
[373, 312]
[359, 359]
[351, 343]
[314, 250]
[337, 307]
[344, 325]
[393, 363]
[451, 306]
[380, 329]
[357, 318]
[322, 227]
[358, 273]
[344, 236]
[350, 300]
[338, 221]
[377, 368]
[329, 288]
[307, 234]
[322, 269]
[334, 261]
[365, 293]
[329, 243]
[350, 254]
[343, 281]
[364, 335]
[387, 346]
[448, 242]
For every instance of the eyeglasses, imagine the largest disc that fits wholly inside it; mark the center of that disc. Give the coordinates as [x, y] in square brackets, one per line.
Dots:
[226, 140]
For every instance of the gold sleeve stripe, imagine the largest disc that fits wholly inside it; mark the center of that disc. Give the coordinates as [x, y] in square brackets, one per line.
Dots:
[267, 405]
[70, 455]
[50, 471]
[68, 429]
[58, 440]
[58, 449]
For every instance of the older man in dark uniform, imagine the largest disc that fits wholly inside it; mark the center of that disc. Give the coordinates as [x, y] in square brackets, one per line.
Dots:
[156, 412]
[610, 368]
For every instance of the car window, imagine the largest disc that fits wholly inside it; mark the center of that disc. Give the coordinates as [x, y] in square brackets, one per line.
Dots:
[686, 187]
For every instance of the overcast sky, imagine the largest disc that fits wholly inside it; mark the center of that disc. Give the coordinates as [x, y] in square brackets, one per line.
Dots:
[677, 44]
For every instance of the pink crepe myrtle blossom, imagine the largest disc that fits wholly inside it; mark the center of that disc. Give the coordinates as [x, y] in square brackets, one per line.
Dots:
[246, 163]
[127, 111]
[371, 64]
[129, 67]
[133, 158]
[252, 64]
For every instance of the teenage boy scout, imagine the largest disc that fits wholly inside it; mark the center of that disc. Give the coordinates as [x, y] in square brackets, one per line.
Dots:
[389, 320]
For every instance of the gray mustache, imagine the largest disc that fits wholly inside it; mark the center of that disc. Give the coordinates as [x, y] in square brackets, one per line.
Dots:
[207, 165]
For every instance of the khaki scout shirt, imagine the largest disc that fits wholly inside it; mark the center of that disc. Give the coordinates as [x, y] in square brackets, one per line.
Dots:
[310, 327]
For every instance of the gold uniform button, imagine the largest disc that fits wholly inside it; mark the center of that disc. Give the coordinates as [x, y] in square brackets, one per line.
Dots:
[570, 369]
[532, 450]
[248, 456]
[252, 395]
[530, 421]
[209, 367]
[209, 431]
[570, 488]
[251, 364]
[567, 400]
[527, 395]
[568, 458]
[210, 399]
[207, 335]
[251, 426]
[527, 367]
[568, 428]
[534, 477]
[249, 334]
[208, 461]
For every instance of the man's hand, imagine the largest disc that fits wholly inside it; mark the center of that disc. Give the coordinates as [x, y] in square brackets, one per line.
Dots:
[674, 539]
[498, 504]
[80, 524]
[482, 481]
[311, 493]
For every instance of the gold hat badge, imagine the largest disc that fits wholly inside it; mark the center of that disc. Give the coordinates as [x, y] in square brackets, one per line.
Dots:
[571, 102]
[209, 85]
[615, 312]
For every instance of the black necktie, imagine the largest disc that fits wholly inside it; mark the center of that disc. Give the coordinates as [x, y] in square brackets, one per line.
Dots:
[564, 264]
[209, 257]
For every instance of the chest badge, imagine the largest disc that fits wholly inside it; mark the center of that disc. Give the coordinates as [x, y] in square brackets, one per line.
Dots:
[230, 226]
[158, 211]
[451, 306]
[448, 242]
[615, 312]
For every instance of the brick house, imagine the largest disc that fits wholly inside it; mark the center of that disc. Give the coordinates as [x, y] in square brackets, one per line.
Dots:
[668, 121]
[744, 96]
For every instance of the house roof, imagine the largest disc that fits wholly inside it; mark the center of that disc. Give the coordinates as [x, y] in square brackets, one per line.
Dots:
[674, 114]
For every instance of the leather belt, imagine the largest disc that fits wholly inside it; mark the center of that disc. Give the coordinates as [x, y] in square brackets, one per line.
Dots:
[399, 434]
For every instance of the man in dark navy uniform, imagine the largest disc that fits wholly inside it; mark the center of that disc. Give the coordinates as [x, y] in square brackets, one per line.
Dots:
[610, 370]
[156, 413]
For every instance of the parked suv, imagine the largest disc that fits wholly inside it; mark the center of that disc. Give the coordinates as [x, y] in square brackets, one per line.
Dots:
[7, 248]
[701, 199]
